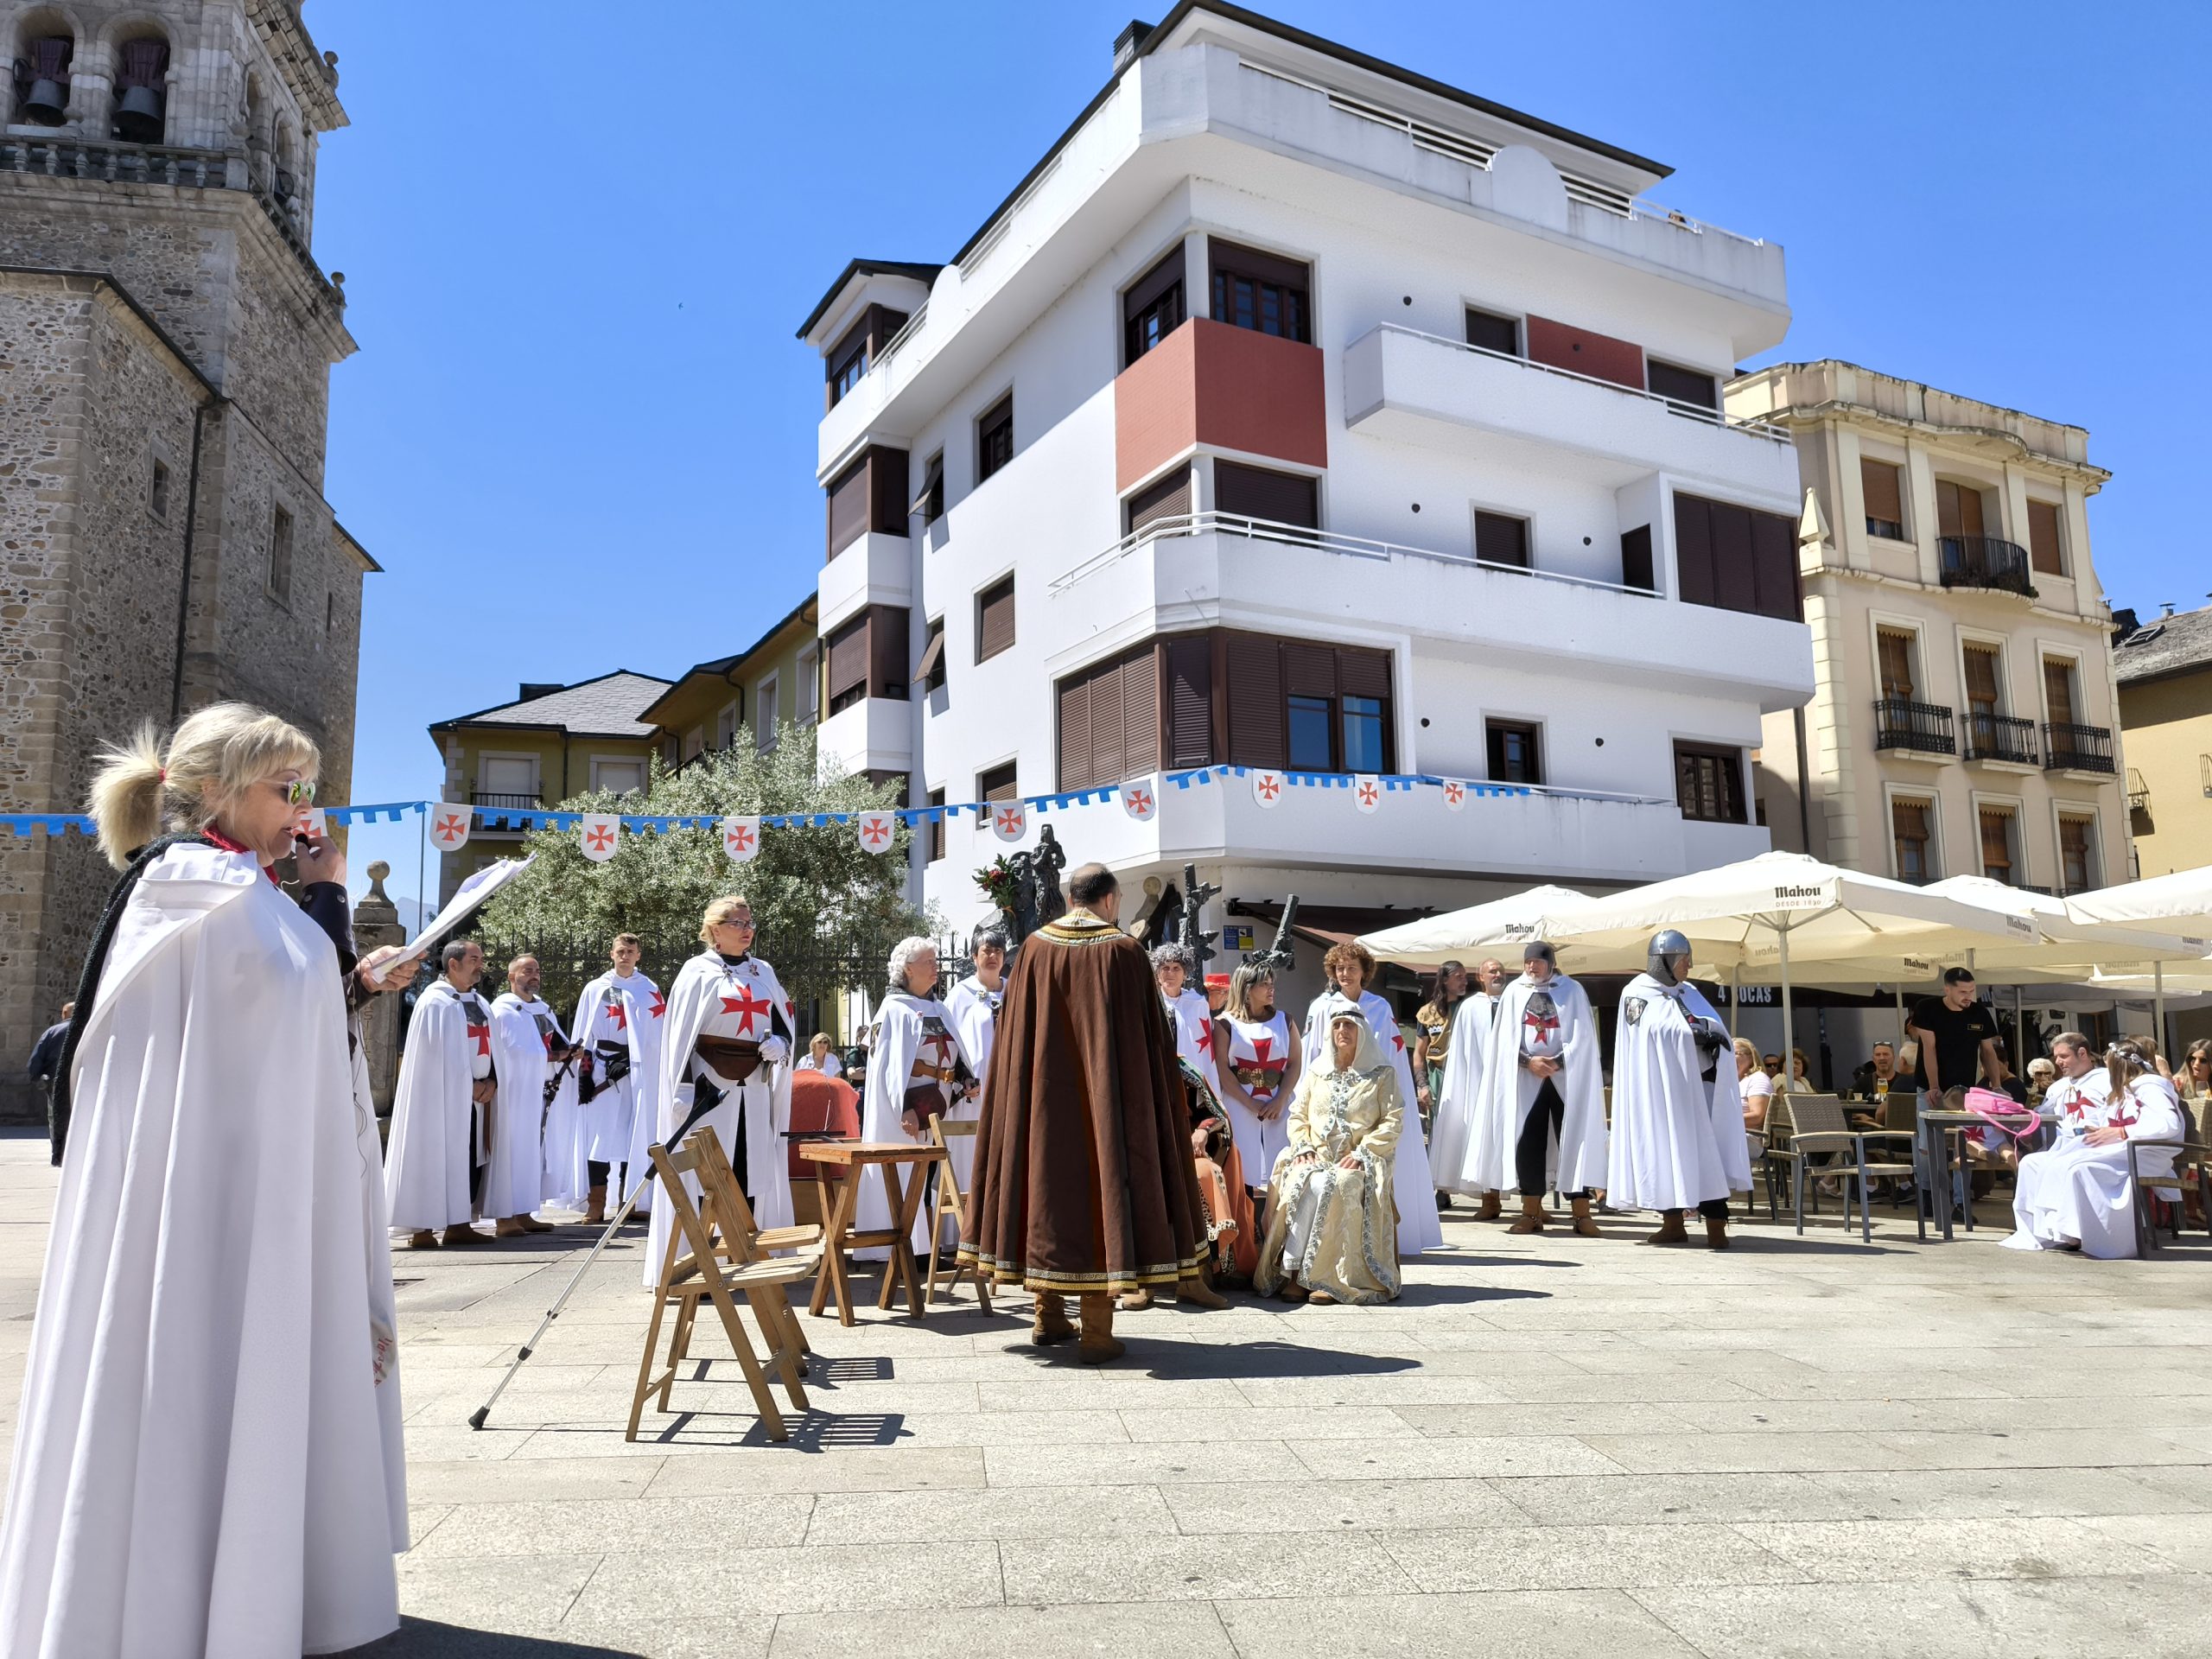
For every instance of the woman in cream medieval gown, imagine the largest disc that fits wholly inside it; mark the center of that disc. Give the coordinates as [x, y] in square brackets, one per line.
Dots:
[1333, 1224]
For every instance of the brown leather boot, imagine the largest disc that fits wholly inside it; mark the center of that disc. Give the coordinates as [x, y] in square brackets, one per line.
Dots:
[1583, 1225]
[422, 1239]
[461, 1235]
[1490, 1209]
[1716, 1232]
[1097, 1344]
[1532, 1214]
[509, 1227]
[1671, 1230]
[1050, 1324]
[1134, 1301]
[1194, 1292]
[595, 1206]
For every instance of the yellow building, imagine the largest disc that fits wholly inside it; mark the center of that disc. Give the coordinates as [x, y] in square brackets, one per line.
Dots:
[552, 741]
[2164, 670]
[1964, 713]
[776, 680]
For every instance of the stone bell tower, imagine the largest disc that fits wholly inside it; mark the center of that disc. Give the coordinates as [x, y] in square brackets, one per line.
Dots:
[166, 342]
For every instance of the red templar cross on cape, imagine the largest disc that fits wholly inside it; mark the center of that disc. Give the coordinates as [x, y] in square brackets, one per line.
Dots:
[660, 1006]
[747, 1005]
[618, 1010]
[1540, 1020]
[481, 1036]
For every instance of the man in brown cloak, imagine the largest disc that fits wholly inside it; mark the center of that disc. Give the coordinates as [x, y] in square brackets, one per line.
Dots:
[1083, 1185]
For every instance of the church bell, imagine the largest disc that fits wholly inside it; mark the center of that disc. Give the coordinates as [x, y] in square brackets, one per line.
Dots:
[46, 103]
[138, 118]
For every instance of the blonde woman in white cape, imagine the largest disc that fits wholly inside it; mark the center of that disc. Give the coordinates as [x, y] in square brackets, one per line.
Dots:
[727, 995]
[207, 1456]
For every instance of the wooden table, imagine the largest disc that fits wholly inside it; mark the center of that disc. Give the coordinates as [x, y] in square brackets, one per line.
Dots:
[1933, 1130]
[839, 1167]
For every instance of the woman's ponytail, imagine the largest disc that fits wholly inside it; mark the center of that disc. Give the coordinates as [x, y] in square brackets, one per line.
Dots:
[128, 796]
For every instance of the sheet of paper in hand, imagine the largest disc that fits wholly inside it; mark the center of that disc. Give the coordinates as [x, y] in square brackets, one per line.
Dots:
[475, 893]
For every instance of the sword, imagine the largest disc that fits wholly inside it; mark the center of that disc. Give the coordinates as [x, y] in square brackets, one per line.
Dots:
[1282, 956]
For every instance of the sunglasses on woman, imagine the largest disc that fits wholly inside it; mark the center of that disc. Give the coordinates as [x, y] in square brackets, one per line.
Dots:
[299, 791]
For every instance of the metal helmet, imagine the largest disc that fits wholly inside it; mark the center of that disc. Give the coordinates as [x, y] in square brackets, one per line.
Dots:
[1666, 948]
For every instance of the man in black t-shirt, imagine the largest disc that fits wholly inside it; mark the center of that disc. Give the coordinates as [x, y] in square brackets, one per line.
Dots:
[1957, 1037]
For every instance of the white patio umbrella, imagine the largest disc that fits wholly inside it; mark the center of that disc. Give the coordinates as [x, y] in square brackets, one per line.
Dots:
[1502, 923]
[1781, 906]
[2180, 902]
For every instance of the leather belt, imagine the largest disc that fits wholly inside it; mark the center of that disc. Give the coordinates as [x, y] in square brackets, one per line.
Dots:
[730, 1057]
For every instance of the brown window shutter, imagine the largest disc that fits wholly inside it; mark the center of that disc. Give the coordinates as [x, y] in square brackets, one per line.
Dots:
[2042, 538]
[1774, 563]
[1893, 651]
[1106, 745]
[998, 783]
[994, 619]
[1637, 569]
[1681, 385]
[1981, 678]
[1494, 332]
[933, 655]
[1308, 671]
[1694, 549]
[1139, 675]
[2058, 691]
[1880, 484]
[888, 471]
[849, 506]
[1502, 539]
[1257, 492]
[1257, 733]
[936, 827]
[1735, 574]
[848, 656]
[1075, 732]
[1946, 509]
[1910, 819]
[1190, 701]
[1165, 498]
[887, 627]
[1154, 284]
[1363, 673]
[1996, 844]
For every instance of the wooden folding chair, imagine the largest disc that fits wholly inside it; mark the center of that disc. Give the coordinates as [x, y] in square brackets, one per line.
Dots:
[952, 1201]
[697, 1268]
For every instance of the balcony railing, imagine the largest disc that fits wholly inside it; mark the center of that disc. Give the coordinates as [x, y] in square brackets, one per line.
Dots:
[507, 802]
[1901, 723]
[1984, 561]
[2001, 737]
[2069, 747]
[1358, 547]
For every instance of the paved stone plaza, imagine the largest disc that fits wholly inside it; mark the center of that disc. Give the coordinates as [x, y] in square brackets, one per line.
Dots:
[1551, 1446]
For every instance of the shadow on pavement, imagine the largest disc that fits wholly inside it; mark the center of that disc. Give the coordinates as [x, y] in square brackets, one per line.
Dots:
[426, 1639]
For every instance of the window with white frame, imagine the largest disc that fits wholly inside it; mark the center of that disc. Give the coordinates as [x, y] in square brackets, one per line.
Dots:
[809, 700]
[621, 775]
[725, 725]
[765, 714]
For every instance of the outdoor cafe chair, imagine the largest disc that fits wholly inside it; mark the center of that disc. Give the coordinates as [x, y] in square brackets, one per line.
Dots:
[2149, 1188]
[1816, 1125]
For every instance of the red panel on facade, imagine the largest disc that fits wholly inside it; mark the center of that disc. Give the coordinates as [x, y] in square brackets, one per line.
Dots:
[1599, 356]
[1210, 382]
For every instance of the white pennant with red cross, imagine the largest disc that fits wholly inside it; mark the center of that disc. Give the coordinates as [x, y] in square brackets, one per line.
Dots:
[599, 833]
[741, 839]
[1455, 794]
[1366, 790]
[1139, 799]
[449, 826]
[310, 820]
[876, 829]
[1267, 787]
[1009, 819]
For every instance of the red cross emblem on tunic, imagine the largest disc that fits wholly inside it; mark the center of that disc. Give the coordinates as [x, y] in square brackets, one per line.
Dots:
[660, 1006]
[934, 1059]
[1205, 1040]
[875, 832]
[447, 828]
[1269, 788]
[746, 1005]
[1398, 1041]
[481, 1036]
[599, 837]
[2121, 1118]
[618, 1010]
[1368, 794]
[1261, 1046]
[1543, 1027]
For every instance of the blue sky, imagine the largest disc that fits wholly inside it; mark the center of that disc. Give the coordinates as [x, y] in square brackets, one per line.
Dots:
[579, 435]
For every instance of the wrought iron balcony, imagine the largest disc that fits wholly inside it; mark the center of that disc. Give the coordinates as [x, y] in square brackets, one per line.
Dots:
[2069, 747]
[1984, 561]
[492, 804]
[2001, 737]
[1901, 723]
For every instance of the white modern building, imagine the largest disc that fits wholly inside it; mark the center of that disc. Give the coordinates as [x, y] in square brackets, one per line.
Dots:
[1297, 411]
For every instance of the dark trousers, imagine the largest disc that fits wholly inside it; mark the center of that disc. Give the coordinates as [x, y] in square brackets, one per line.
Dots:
[1546, 1116]
[1713, 1209]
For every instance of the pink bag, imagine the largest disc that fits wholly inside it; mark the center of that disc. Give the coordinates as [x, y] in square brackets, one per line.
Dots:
[2001, 1114]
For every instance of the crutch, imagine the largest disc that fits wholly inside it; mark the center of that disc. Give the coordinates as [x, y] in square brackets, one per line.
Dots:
[704, 1098]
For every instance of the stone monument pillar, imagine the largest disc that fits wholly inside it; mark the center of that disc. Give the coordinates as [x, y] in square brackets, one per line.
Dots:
[376, 923]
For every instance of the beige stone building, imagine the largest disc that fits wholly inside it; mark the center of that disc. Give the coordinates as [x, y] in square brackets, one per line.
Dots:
[1965, 716]
[165, 341]
[2164, 668]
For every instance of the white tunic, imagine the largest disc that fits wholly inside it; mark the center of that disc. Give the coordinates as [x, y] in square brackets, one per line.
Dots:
[2078, 1193]
[437, 1130]
[651, 1008]
[1411, 1184]
[1577, 1157]
[1677, 1140]
[1191, 1021]
[199, 1466]
[1259, 1058]
[609, 1015]
[914, 1045]
[566, 1181]
[514, 1183]
[1453, 1132]
[973, 1008]
[741, 999]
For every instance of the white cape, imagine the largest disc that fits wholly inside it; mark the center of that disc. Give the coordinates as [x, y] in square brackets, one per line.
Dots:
[199, 1466]
[1678, 1141]
[514, 1184]
[1577, 1156]
[766, 1098]
[652, 1009]
[883, 1102]
[611, 1010]
[2078, 1193]
[428, 1165]
[1411, 1184]
[974, 1009]
[1454, 1133]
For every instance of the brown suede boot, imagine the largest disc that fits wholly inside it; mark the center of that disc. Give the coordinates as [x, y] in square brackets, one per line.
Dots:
[461, 1235]
[422, 1239]
[1490, 1209]
[1583, 1225]
[1134, 1301]
[509, 1227]
[595, 1206]
[1097, 1345]
[1671, 1230]
[1532, 1214]
[1716, 1232]
[1050, 1324]
[1194, 1292]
